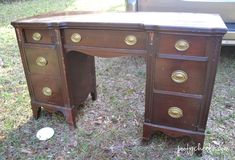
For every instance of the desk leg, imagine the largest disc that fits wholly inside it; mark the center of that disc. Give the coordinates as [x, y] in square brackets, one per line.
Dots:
[36, 110]
[199, 141]
[70, 115]
[94, 95]
[94, 92]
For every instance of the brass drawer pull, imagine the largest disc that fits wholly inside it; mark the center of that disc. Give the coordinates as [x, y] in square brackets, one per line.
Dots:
[76, 38]
[37, 36]
[182, 45]
[130, 40]
[46, 91]
[175, 112]
[41, 61]
[179, 76]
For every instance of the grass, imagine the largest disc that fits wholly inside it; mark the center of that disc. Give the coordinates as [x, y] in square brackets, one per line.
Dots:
[111, 127]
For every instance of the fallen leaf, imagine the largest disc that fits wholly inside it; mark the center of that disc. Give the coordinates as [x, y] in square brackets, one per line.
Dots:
[2, 137]
[114, 119]
[216, 143]
[59, 158]
[27, 151]
[99, 122]
[1, 62]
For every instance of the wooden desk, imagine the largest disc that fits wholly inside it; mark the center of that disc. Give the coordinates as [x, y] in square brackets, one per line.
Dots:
[181, 49]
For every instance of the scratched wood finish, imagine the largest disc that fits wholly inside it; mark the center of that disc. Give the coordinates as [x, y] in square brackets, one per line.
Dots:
[70, 72]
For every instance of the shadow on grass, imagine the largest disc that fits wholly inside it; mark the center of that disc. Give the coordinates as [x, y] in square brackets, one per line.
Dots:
[111, 127]
[86, 142]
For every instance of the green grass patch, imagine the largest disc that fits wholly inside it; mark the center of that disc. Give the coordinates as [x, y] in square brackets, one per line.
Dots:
[120, 103]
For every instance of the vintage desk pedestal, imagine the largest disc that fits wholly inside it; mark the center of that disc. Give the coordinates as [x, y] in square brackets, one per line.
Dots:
[182, 51]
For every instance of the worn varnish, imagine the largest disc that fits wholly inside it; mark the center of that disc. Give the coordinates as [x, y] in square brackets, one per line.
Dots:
[181, 49]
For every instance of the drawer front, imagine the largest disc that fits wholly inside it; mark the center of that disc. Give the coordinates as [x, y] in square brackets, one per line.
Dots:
[182, 44]
[41, 36]
[42, 60]
[105, 38]
[175, 111]
[47, 89]
[180, 76]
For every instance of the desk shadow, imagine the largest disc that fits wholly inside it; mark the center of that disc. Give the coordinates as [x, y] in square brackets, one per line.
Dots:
[108, 128]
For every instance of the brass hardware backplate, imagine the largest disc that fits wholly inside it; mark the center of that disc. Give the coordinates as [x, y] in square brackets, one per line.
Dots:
[37, 36]
[179, 76]
[182, 45]
[175, 112]
[47, 91]
[76, 37]
[130, 40]
[41, 61]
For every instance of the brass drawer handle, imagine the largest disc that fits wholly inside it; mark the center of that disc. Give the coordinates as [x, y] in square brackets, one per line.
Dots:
[37, 36]
[130, 40]
[76, 38]
[175, 112]
[179, 76]
[41, 61]
[182, 45]
[46, 91]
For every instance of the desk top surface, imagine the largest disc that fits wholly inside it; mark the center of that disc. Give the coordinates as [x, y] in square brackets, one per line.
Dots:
[141, 19]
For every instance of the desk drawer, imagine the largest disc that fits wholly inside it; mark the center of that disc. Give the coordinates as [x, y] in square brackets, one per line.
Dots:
[180, 76]
[182, 44]
[41, 36]
[175, 111]
[105, 38]
[42, 60]
[47, 89]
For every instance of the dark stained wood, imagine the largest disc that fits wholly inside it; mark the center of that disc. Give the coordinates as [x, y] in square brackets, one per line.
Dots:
[213, 52]
[196, 72]
[189, 106]
[187, 22]
[52, 66]
[40, 81]
[105, 38]
[47, 37]
[197, 44]
[69, 113]
[105, 52]
[82, 68]
[70, 71]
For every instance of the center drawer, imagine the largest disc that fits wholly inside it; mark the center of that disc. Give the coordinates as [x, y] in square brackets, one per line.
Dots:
[105, 38]
[180, 76]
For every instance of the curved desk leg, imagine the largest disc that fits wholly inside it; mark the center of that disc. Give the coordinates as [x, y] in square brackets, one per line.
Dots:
[94, 95]
[36, 110]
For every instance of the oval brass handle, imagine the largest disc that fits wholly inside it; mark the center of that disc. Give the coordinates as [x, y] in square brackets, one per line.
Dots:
[179, 76]
[130, 40]
[37, 36]
[175, 112]
[46, 91]
[182, 45]
[76, 37]
[41, 61]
